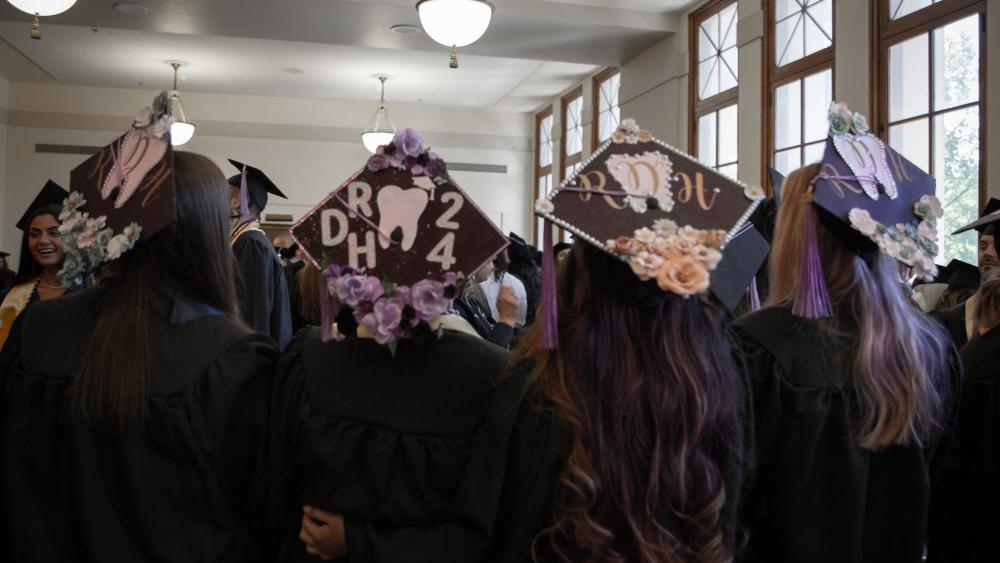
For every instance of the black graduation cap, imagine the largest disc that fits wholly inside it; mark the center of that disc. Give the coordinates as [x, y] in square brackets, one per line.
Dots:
[959, 275]
[777, 179]
[4, 254]
[990, 215]
[258, 184]
[741, 260]
[50, 194]
[520, 249]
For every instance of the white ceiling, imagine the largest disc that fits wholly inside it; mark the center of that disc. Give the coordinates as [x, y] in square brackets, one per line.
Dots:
[533, 50]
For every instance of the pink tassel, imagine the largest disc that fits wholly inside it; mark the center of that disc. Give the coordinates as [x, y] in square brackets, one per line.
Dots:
[550, 314]
[753, 298]
[812, 300]
[244, 194]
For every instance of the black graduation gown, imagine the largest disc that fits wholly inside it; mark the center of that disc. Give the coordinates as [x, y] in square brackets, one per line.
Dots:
[537, 445]
[953, 321]
[262, 287]
[179, 489]
[388, 441]
[967, 512]
[496, 332]
[818, 497]
[7, 278]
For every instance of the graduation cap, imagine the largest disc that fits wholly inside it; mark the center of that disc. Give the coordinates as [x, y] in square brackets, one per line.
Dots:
[777, 179]
[656, 208]
[400, 218]
[872, 199]
[736, 273]
[989, 216]
[520, 249]
[50, 194]
[959, 275]
[123, 192]
[4, 254]
[254, 186]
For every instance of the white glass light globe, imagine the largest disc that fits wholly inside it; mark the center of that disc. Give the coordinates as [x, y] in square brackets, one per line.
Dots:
[374, 139]
[43, 7]
[455, 23]
[181, 132]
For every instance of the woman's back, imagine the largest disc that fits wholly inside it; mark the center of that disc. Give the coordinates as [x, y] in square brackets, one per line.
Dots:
[175, 488]
[819, 496]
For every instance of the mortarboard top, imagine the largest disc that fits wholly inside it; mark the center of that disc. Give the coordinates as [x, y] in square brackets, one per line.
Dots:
[741, 260]
[990, 215]
[50, 194]
[4, 254]
[400, 218]
[960, 275]
[637, 185]
[777, 179]
[258, 184]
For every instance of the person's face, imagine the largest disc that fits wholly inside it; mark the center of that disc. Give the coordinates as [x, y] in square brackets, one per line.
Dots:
[300, 254]
[234, 205]
[44, 241]
[987, 254]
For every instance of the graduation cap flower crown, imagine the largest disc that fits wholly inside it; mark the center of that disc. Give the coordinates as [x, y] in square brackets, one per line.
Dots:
[124, 182]
[407, 152]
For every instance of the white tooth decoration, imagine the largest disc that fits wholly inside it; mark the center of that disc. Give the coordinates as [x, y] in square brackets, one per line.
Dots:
[400, 208]
[138, 153]
[645, 176]
[865, 155]
[425, 183]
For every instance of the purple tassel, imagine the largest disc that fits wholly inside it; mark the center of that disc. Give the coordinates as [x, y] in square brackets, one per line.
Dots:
[753, 298]
[244, 194]
[812, 300]
[550, 315]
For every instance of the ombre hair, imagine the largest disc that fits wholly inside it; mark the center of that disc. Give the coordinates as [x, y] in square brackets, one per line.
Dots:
[647, 384]
[902, 361]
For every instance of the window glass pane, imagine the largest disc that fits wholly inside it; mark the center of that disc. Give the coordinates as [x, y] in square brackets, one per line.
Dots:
[729, 69]
[802, 27]
[545, 142]
[912, 140]
[727, 135]
[727, 23]
[708, 78]
[900, 8]
[787, 161]
[956, 167]
[818, 90]
[717, 53]
[607, 116]
[706, 139]
[956, 63]
[788, 114]
[728, 171]
[570, 170]
[813, 153]
[909, 89]
[574, 126]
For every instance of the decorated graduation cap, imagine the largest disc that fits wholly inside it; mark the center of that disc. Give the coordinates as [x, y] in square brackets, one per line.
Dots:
[872, 199]
[50, 194]
[989, 216]
[254, 186]
[396, 239]
[657, 209]
[123, 192]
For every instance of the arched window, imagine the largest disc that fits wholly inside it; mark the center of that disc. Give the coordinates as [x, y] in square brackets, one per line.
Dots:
[714, 86]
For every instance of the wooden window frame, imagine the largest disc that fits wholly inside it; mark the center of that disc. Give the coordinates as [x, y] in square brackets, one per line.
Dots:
[887, 33]
[540, 171]
[596, 83]
[564, 159]
[696, 107]
[777, 77]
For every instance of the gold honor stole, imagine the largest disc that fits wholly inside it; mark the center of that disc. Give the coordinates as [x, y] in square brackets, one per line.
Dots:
[15, 302]
[238, 232]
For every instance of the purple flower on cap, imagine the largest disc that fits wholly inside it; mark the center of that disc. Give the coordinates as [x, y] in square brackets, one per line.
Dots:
[385, 318]
[428, 298]
[353, 289]
[378, 162]
[408, 143]
[435, 167]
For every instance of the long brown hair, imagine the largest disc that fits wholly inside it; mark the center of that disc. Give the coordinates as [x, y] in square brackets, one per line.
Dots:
[646, 382]
[191, 257]
[311, 286]
[901, 363]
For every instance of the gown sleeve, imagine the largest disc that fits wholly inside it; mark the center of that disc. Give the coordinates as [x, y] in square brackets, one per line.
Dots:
[258, 282]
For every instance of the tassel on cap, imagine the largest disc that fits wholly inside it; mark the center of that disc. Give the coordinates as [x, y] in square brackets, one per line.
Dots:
[244, 194]
[753, 297]
[812, 300]
[550, 316]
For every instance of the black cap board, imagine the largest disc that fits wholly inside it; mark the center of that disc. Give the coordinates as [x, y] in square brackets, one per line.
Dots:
[741, 260]
[50, 194]
[990, 215]
[777, 179]
[258, 184]
[960, 275]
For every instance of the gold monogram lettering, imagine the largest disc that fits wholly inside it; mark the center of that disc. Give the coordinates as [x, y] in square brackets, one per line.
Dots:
[153, 183]
[898, 166]
[839, 186]
[601, 184]
[696, 189]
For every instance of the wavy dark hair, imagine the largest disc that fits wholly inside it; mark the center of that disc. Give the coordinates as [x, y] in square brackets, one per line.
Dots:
[191, 257]
[647, 383]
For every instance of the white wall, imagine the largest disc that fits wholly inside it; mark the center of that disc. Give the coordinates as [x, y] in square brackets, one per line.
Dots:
[307, 146]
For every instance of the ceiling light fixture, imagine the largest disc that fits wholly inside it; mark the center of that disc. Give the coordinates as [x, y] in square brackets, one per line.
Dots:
[41, 8]
[405, 29]
[380, 129]
[183, 129]
[131, 9]
[455, 23]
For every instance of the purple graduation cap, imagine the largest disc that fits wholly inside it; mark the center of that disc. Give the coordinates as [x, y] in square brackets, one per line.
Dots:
[652, 206]
[871, 198]
[398, 228]
[124, 191]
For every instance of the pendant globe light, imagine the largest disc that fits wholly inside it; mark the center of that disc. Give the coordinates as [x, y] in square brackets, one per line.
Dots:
[41, 8]
[455, 23]
[183, 128]
[380, 129]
